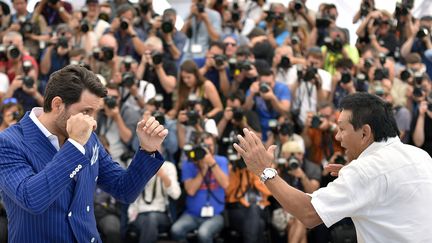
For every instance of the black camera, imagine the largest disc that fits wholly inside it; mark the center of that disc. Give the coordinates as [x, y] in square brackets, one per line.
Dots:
[28, 81]
[418, 78]
[110, 102]
[238, 114]
[201, 7]
[286, 128]
[364, 8]
[340, 159]
[219, 60]
[285, 62]
[380, 74]
[418, 91]
[16, 116]
[157, 58]
[84, 26]
[270, 16]
[193, 118]
[235, 160]
[368, 63]
[235, 16]
[310, 74]
[128, 79]
[295, 26]
[104, 16]
[230, 140]
[127, 61]
[63, 42]
[144, 7]
[316, 121]
[107, 53]
[403, 8]
[335, 45]
[298, 5]
[27, 66]
[26, 27]
[264, 87]
[13, 51]
[346, 77]
[167, 25]
[159, 116]
[406, 74]
[245, 65]
[423, 32]
[293, 163]
[323, 22]
[195, 152]
[124, 25]
[295, 40]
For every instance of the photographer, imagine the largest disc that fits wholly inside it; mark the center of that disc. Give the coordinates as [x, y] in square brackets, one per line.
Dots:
[82, 35]
[32, 27]
[201, 26]
[215, 68]
[284, 66]
[96, 24]
[375, 30]
[319, 134]
[311, 84]
[419, 41]
[130, 40]
[173, 40]
[117, 122]
[14, 54]
[268, 98]
[11, 112]
[301, 174]
[243, 72]
[366, 7]
[421, 136]
[300, 13]
[273, 21]
[246, 201]
[56, 56]
[205, 178]
[159, 71]
[234, 119]
[55, 12]
[104, 59]
[337, 47]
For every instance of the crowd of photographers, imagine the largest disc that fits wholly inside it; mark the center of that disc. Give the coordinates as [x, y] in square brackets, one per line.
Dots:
[277, 70]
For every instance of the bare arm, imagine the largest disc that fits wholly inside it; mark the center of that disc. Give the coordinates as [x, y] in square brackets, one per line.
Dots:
[418, 135]
[193, 185]
[168, 82]
[45, 65]
[213, 96]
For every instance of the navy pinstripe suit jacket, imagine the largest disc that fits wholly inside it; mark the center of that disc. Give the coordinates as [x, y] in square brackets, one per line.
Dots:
[47, 202]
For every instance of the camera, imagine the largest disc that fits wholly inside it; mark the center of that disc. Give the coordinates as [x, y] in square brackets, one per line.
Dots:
[380, 74]
[245, 65]
[316, 121]
[238, 114]
[345, 77]
[418, 78]
[124, 25]
[127, 61]
[144, 7]
[406, 74]
[26, 27]
[28, 81]
[298, 5]
[27, 66]
[110, 102]
[235, 16]
[293, 163]
[403, 8]
[62, 42]
[295, 40]
[382, 58]
[192, 101]
[368, 63]
[201, 7]
[310, 74]
[128, 79]
[335, 45]
[340, 159]
[418, 91]
[323, 22]
[264, 87]
[219, 60]
[16, 116]
[84, 26]
[364, 8]
[167, 25]
[270, 16]
[285, 62]
[159, 116]
[193, 118]
[423, 32]
[157, 58]
[286, 128]
[195, 152]
[13, 51]
[236, 161]
[158, 100]
[107, 53]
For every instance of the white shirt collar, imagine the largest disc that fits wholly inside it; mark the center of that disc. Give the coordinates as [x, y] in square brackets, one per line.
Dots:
[34, 114]
[376, 145]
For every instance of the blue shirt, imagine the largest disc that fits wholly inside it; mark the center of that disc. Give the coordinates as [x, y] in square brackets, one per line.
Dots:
[266, 113]
[125, 43]
[420, 48]
[202, 197]
[212, 74]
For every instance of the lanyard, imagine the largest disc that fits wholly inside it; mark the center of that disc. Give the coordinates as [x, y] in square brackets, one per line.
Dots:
[209, 192]
[157, 179]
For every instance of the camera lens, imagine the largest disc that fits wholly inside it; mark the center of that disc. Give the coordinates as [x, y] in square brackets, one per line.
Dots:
[14, 52]
[124, 25]
[157, 58]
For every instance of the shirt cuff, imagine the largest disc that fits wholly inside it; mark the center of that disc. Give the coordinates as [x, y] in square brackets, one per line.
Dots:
[77, 145]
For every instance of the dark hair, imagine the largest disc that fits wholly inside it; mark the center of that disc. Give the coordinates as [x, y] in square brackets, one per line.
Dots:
[345, 63]
[218, 44]
[265, 72]
[69, 82]
[190, 67]
[123, 8]
[372, 110]
[238, 94]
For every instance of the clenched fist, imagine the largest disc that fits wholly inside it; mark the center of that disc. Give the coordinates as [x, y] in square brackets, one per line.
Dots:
[150, 134]
[79, 127]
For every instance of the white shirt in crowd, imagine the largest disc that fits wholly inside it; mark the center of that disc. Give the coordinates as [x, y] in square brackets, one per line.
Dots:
[159, 202]
[387, 192]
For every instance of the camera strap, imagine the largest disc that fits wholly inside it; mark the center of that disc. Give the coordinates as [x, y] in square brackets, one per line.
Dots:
[206, 179]
[155, 182]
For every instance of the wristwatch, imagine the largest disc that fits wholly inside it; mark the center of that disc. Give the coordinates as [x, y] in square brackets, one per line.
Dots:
[268, 173]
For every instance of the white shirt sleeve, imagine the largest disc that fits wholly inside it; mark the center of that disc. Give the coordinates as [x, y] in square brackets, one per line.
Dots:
[77, 145]
[210, 127]
[326, 79]
[4, 83]
[173, 190]
[351, 194]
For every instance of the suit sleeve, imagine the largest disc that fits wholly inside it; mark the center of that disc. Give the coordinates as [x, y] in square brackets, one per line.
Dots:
[32, 191]
[126, 185]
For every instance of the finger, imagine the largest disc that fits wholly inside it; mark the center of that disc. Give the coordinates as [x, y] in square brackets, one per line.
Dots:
[243, 144]
[152, 127]
[334, 173]
[164, 133]
[149, 122]
[248, 137]
[257, 140]
[157, 130]
[272, 149]
[140, 125]
[239, 150]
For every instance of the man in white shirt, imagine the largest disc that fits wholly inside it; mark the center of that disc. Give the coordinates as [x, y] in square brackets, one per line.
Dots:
[386, 188]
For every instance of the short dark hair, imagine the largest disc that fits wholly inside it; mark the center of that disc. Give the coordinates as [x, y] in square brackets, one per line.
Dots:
[238, 94]
[265, 72]
[218, 44]
[123, 8]
[371, 110]
[69, 82]
[345, 63]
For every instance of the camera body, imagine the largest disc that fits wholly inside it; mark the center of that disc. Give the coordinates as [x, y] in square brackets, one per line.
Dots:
[310, 74]
[285, 128]
[423, 32]
[62, 42]
[345, 77]
[264, 87]
[110, 102]
[124, 25]
[285, 62]
[201, 7]
[245, 65]
[84, 26]
[167, 25]
[298, 5]
[157, 58]
[219, 60]
[193, 117]
[13, 52]
[28, 81]
[128, 79]
[159, 116]
[335, 45]
[316, 121]
[195, 152]
[238, 114]
[291, 163]
[340, 159]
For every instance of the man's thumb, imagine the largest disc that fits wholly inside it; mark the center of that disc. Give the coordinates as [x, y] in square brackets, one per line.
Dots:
[272, 149]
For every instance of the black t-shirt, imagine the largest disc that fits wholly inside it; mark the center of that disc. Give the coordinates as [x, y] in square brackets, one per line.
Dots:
[312, 171]
[150, 75]
[427, 144]
[231, 130]
[388, 41]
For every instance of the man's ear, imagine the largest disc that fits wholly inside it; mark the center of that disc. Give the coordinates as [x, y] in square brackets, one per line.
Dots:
[367, 134]
[57, 104]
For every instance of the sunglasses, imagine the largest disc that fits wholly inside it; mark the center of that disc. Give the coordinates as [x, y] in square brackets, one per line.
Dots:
[230, 44]
[10, 101]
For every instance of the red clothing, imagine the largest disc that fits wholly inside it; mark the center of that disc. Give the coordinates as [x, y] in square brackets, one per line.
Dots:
[10, 71]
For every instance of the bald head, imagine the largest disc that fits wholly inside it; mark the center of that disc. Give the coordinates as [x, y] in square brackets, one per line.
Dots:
[108, 40]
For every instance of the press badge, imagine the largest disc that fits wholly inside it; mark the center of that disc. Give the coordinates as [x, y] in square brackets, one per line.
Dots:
[207, 211]
[196, 48]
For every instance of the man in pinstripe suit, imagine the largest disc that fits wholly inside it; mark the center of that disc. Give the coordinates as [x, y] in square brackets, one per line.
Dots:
[51, 162]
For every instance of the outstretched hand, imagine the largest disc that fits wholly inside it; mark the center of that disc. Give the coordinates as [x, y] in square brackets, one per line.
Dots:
[151, 134]
[251, 148]
[333, 169]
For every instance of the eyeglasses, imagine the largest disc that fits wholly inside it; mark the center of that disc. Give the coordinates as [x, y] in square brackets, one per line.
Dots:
[11, 100]
[230, 44]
